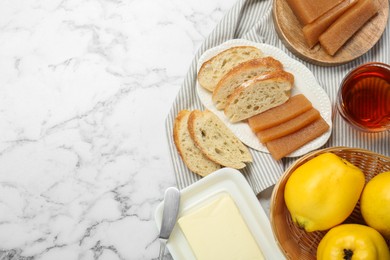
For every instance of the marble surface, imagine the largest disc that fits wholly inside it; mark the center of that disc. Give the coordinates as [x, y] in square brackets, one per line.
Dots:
[85, 87]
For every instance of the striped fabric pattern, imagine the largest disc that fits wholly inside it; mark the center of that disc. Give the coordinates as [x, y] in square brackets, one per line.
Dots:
[252, 20]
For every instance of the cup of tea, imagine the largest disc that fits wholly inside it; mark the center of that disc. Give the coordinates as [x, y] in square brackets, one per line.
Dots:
[364, 97]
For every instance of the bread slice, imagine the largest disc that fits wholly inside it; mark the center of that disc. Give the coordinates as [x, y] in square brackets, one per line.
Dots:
[216, 140]
[215, 68]
[195, 160]
[266, 91]
[240, 74]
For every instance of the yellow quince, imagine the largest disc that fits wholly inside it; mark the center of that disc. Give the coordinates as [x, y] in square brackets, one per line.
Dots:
[353, 241]
[375, 203]
[323, 192]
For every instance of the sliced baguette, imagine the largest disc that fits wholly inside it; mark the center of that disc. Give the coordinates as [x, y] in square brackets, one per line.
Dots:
[240, 74]
[216, 140]
[215, 68]
[266, 91]
[195, 160]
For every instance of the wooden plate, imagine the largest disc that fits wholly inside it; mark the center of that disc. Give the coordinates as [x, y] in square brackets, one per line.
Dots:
[290, 32]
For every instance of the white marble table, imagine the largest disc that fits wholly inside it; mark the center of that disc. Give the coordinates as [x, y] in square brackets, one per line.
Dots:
[85, 87]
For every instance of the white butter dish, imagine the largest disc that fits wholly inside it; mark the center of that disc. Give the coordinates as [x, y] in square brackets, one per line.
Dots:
[233, 183]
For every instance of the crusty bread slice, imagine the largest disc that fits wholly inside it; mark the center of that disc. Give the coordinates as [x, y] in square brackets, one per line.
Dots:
[216, 140]
[215, 68]
[195, 160]
[266, 91]
[240, 74]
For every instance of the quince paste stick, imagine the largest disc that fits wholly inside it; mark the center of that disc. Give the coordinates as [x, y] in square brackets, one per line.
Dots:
[312, 31]
[288, 127]
[293, 107]
[287, 144]
[347, 25]
[308, 10]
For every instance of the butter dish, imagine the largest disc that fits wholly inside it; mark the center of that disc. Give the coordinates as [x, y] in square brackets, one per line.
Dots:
[232, 183]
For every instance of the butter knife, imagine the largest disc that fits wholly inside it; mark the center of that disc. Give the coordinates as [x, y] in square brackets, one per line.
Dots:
[169, 217]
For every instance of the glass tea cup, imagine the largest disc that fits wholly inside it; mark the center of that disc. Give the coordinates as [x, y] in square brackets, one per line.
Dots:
[364, 97]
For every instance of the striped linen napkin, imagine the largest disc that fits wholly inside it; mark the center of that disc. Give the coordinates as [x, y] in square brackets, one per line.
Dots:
[252, 20]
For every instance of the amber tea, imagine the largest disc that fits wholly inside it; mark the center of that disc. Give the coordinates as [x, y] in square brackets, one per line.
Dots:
[364, 97]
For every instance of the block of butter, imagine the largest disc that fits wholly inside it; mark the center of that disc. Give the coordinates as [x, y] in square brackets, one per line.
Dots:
[217, 230]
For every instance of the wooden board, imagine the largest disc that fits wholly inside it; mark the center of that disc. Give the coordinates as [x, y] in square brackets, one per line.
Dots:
[290, 32]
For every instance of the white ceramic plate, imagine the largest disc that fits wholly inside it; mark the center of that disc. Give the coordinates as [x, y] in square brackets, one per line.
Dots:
[228, 181]
[305, 83]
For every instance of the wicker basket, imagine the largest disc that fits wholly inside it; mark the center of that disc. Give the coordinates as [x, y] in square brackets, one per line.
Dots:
[296, 243]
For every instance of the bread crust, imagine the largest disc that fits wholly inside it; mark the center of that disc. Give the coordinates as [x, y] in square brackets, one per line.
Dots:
[280, 74]
[176, 129]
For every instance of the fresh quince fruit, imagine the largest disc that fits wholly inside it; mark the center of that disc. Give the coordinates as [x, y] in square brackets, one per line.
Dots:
[353, 241]
[323, 192]
[375, 203]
